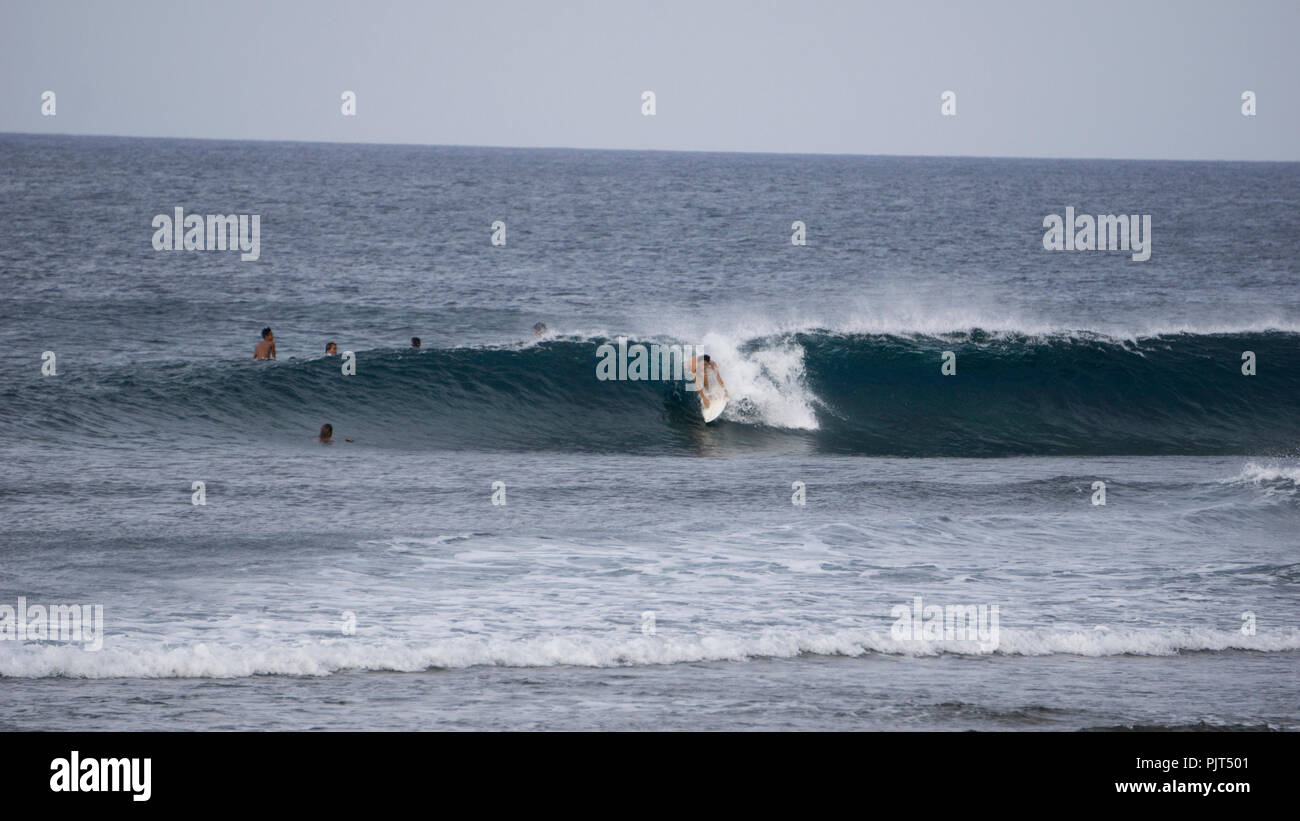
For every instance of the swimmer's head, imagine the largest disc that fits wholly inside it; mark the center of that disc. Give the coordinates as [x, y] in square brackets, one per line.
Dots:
[415, 342]
[326, 432]
[266, 333]
[331, 348]
[539, 329]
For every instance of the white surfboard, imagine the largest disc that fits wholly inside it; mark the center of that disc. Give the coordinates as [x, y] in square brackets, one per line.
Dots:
[717, 401]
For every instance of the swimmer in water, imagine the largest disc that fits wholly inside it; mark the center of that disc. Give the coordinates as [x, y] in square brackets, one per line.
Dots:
[266, 348]
[327, 435]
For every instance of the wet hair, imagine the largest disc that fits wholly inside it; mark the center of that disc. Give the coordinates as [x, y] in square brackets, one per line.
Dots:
[415, 342]
[539, 328]
[329, 345]
[706, 358]
[266, 332]
[326, 430]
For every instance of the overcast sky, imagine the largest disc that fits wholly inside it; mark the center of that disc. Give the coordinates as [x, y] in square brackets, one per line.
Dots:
[1091, 78]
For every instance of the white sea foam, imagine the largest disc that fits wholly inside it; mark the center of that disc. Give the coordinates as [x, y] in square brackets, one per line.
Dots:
[766, 384]
[1257, 474]
[584, 650]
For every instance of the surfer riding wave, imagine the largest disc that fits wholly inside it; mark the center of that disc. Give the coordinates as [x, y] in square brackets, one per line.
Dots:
[701, 377]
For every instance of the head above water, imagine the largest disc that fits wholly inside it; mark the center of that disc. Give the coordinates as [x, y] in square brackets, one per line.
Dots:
[331, 347]
[539, 329]
[415, 342]
[326, 432]
[266, 332]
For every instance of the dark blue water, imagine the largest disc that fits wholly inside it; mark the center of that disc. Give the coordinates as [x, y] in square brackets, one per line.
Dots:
[379, 574]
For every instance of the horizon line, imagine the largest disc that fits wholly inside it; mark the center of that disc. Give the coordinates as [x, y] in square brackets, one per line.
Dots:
[398, 143]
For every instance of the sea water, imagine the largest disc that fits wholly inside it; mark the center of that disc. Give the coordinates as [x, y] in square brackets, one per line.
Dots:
[510, 542]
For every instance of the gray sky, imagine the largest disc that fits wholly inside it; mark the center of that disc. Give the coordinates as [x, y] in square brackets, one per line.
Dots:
[1091, 78]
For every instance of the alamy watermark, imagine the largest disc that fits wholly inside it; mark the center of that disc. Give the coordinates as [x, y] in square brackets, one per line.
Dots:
[219, 232]
[77, 774]
[653, 362]
[69, 623]
[1105, 232]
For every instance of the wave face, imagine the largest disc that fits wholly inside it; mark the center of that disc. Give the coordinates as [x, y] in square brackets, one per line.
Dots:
[1062, 394]
[1081, 394]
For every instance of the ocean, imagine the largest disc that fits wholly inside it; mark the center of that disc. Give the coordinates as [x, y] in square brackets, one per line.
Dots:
[509, 542]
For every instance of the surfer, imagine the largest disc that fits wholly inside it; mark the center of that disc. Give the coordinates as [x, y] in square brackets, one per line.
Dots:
[266, 348]
[703, 372]
[539, 329]
[415, 342]
[331, 349]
